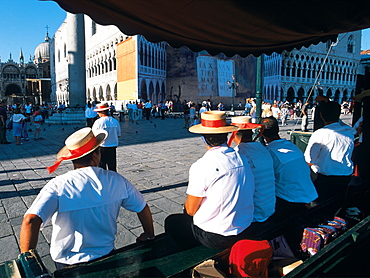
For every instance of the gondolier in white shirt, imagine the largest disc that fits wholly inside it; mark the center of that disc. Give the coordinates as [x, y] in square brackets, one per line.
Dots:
[83, 205]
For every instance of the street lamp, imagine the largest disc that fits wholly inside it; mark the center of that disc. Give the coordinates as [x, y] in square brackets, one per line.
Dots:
[233, 85]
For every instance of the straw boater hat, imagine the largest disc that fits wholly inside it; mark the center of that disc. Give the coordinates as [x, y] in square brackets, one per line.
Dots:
[244, 123]
[79, 144]
[101, 107]
[213, 122]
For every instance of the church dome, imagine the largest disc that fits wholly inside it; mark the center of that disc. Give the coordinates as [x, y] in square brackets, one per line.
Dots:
[43, 50]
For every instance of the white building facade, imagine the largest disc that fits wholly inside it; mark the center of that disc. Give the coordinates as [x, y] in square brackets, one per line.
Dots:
[101, 64]
[308, 72]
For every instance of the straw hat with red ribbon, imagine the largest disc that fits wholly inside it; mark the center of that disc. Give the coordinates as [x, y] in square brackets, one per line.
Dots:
[212, 122]
[101, 107]
[244, 123]
[79, 144]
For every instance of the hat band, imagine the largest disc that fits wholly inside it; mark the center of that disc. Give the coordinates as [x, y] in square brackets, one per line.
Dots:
[246, 125]
[74, 154]
[217, 123]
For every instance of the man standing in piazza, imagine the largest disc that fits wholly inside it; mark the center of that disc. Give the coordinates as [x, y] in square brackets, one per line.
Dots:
[3, 119]
[219, 205]
[329, 153]
[83, 205]
[259, 158]
[109, 146]
[304, 111]
[90, 115]
[294, 188]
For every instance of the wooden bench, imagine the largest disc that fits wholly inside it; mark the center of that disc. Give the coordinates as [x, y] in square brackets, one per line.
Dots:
[164, 257]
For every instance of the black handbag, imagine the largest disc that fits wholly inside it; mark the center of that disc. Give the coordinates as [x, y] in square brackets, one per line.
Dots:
[10, 124]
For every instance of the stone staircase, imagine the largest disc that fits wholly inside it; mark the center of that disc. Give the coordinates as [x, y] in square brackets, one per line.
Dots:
[68, 116]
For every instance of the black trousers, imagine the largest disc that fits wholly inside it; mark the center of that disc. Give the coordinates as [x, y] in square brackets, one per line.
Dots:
[285, 209]
[108, 158]
[147, 113]
[90, 122]
[330, 186]
[2, 133]
[182, 229]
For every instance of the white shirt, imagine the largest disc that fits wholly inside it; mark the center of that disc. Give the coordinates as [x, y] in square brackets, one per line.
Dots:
[357, 124]
[112, 126]
[28, 109]
[264, 179]
[330, 150]
[225, 181]
[90, 113]
[17, 118]
[202, 109]
[83, 206]
[133, 106]
[292, 174]
[275, 111]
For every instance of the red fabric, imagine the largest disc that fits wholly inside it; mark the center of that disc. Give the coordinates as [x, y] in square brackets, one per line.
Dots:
[250, 258]
[247, 125]
[74, 154]
[217, 123]
[231, 138]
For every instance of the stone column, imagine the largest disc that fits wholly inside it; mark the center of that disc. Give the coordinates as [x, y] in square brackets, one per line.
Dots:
[76, 60]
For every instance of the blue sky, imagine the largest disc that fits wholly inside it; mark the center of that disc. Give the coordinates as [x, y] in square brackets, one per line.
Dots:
[22, 25]
[23, 22]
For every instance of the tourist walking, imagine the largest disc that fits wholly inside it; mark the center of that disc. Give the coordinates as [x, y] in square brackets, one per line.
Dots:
[17, 119]
[109, 146]
[37, 119]
[3, 119]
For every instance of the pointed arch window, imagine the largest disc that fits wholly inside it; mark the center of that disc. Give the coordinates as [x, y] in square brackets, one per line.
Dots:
[350, 44]
[328, 44]
[93, 28]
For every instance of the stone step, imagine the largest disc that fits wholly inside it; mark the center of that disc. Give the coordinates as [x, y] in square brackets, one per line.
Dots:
[68, 116]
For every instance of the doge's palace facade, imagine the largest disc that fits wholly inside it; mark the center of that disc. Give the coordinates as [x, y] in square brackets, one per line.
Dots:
[292, 75]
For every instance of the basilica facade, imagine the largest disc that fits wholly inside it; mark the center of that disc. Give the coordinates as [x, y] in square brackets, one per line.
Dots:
[328, 69]
[22, 82]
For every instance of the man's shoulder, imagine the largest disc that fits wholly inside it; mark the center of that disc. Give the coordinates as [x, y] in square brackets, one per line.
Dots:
[277, 145]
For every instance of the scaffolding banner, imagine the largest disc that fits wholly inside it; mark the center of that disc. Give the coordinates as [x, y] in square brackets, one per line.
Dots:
[213, 75]
[225, 73]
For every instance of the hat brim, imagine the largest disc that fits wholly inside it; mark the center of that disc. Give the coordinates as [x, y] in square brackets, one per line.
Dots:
[250, 126]
[100, 136]
[212, 130]
[101, 109]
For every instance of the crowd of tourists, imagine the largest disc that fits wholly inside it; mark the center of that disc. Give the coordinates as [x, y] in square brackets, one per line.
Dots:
[21, 119]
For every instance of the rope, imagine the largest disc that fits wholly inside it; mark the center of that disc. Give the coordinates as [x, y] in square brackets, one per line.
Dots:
[317, 77]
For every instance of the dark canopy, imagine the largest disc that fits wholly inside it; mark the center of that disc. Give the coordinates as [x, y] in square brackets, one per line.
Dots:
[230, 26]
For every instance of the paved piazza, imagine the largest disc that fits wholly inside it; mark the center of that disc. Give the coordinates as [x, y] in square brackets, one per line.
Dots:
[154, 155]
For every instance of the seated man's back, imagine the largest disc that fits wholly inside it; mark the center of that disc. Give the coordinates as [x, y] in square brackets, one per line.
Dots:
[261, 165]
[292, 175]
[294, 188]
[264, 180]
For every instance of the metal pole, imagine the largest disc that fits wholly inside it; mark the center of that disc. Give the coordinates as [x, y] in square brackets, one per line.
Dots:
[259, 88]
[233, 96]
